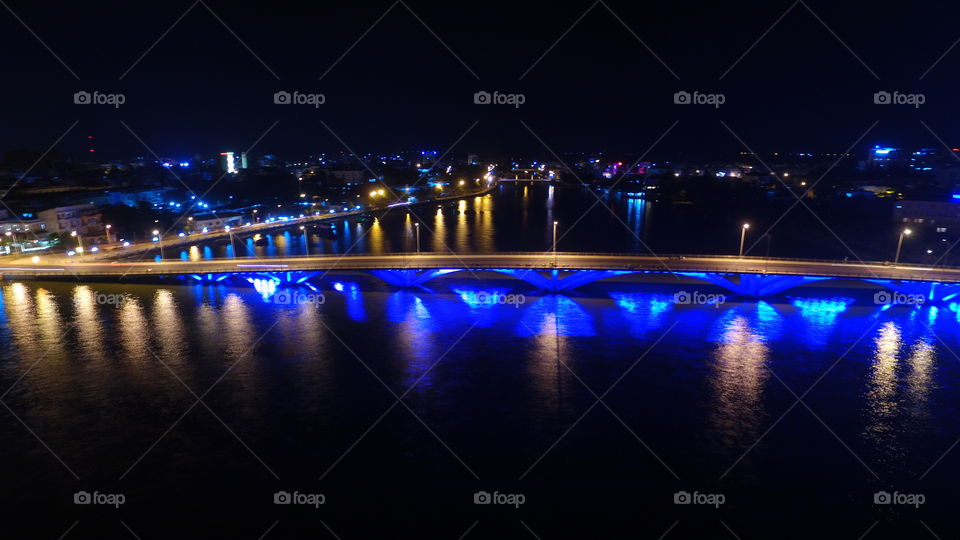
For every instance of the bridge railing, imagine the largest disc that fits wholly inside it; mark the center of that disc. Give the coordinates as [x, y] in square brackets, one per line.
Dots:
[549, 255]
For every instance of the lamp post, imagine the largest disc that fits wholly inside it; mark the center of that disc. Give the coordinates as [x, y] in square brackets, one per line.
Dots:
[417, 226]
[79, 242]
[14, 236]
[554, 243]
[230, 236]
[108, 227]
[743, 236]
[159, 241]
[905, 232]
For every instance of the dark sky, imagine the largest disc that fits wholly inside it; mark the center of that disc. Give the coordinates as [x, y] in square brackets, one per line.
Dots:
[598, 89]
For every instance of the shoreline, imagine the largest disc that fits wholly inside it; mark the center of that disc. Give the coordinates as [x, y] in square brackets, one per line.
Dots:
[117, 253]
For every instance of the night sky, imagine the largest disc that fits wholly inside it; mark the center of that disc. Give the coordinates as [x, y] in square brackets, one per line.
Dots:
[200, 90]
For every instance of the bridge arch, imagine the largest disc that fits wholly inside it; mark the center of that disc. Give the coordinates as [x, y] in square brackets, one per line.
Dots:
[754, 285]
[552, 282]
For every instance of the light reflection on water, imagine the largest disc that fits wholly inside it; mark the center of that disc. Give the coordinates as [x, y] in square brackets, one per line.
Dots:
[738, 382]
[898, 391]
[891, 380]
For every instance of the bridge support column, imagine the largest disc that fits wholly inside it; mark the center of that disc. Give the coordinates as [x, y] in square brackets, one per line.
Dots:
[930, 291]
[754, 285]
[552, 282]
[410, 277]
[210, 278]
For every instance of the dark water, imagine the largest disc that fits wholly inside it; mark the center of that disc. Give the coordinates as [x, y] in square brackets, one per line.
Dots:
[198, 403]
[494, 397]
[513, 218]
[520, 218]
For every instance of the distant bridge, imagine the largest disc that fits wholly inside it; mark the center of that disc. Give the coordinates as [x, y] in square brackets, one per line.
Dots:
[746, 276]
[543, 180]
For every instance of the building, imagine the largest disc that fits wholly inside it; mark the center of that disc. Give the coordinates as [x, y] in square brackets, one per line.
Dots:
[942, 216]
[229, 163]
[27, 225]
[346, 176]
[215, 221]
[82, 218]
[130, 196]
[882, 157]
[924, 160]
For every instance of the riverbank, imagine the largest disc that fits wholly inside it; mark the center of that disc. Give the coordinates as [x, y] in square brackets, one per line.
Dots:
[117, 252]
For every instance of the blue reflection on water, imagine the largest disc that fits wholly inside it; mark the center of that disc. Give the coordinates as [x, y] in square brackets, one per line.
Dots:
[403, 304]
[641, 311]
[769, 321]
[555, 315]
[478, 298]
[820, 316]
[354, 298]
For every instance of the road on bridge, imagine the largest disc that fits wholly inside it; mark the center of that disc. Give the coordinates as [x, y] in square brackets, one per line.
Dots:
[474, 261]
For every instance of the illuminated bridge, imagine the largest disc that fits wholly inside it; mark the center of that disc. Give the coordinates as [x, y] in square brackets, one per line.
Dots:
[747, 276]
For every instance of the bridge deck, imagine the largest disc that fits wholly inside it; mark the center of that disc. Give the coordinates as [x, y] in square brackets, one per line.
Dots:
[537, 260]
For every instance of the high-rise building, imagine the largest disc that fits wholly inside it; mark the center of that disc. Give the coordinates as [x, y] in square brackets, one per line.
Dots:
[229, 163]
[884, 156]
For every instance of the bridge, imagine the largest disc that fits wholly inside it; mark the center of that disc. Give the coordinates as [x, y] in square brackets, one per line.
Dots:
[752, 277]
[518, 179]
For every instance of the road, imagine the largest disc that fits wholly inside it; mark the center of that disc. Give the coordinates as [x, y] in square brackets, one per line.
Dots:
[535, 260]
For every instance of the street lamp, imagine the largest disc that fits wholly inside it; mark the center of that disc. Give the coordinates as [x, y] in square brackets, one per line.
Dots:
[417, 226]
[79, 242]
[159, 241]
[108, 227]
[554, 243]
[743, 236]
[905, 232]
[14, 235]
[229, 231]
